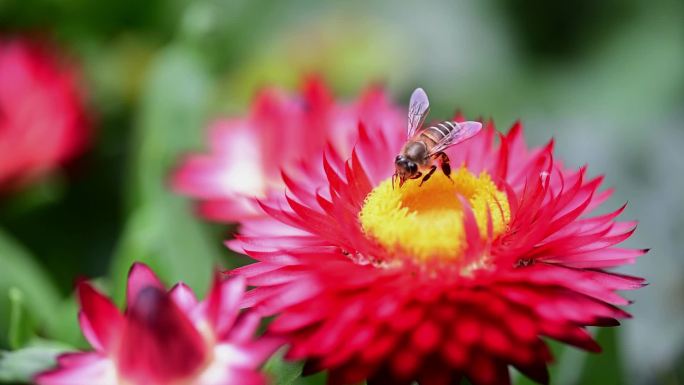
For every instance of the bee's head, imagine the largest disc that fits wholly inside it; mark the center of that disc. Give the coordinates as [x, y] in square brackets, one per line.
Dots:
[404, 168]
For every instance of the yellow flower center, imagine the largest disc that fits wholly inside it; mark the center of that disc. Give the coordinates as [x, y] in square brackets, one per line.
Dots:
[426, 222]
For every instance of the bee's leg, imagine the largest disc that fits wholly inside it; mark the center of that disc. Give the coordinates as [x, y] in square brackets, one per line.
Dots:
[428, 175]
[444, 164]
[418, 175]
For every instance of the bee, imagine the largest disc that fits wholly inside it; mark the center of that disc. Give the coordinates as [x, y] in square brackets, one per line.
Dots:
[424, 146]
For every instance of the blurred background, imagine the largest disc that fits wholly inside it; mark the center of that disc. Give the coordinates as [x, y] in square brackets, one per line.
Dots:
[605, 78]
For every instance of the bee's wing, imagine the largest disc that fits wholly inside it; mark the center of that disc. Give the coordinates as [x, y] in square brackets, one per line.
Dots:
[419, 106]
[463, 131]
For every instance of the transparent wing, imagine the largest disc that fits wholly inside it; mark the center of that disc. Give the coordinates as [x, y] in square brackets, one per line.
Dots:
[463, 131]
[419, 106]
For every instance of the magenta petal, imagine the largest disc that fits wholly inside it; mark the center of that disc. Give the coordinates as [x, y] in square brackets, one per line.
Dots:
[159, 345]
[88, 332]
[78, 358]
[244, 328]
[139, 277]
[184, 297]
[239, 207]
[80, 369]
[100, 320]
[224, 303]
[233, 376]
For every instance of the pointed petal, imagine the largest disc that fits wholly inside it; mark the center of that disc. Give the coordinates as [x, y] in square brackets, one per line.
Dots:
[223, 303]
[140, 277]
[184, 297]
[100, 320]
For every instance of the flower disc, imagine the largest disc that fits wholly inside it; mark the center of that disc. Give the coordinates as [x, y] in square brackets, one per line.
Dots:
[427, 221]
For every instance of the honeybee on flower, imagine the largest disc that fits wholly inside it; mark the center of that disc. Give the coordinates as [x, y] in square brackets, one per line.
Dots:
[427, 144]
[441, 279]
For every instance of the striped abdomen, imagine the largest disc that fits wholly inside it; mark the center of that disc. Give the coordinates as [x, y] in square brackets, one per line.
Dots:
[438, 132]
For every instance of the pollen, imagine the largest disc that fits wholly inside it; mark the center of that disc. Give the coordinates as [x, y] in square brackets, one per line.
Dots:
[426, 222]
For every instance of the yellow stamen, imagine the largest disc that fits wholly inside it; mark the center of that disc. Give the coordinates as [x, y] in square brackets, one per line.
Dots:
[427, 222]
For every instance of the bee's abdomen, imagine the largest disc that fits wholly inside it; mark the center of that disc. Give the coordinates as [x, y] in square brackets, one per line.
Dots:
[438, 131]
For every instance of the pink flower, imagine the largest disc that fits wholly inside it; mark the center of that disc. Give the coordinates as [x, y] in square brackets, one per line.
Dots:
[246, 154]
[165, 337]
[42, 117]
[455, 278]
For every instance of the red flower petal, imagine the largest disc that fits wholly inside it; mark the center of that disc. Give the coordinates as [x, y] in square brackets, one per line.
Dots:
[101, 321]
[159, 343]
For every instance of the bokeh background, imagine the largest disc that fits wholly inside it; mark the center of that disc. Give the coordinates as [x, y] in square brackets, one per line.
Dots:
[605, 78]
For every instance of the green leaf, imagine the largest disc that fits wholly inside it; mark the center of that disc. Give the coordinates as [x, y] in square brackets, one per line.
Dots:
[171, 120]
[282, 372]
[568, 366]
[604, 368]
[169, 239]
[161, 229]
[318, 379]
[64, 324]
[20, 323]
[23, 364]
[18, 270]
[48, 190]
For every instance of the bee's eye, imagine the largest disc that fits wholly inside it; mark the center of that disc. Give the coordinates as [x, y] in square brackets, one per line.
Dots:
[413, 167]
[398, 158]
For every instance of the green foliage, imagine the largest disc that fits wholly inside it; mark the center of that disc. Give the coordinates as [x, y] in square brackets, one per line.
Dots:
[20, 324]
[165, 236]
[604, 368]
[161, 229]
[281, 372]
[170, 120]
[23, 364]
[25, 288]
